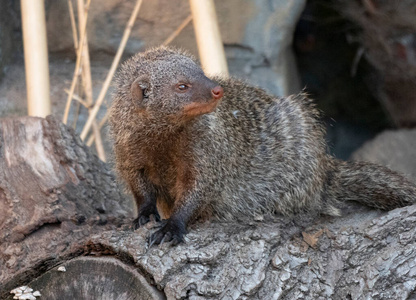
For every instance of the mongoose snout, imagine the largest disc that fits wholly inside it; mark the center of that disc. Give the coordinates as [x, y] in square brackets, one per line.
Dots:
[217, 92]
[198, 108]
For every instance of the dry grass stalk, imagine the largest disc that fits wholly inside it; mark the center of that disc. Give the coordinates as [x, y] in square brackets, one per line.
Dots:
[113, 68]
[177, 31]
[85, 57]
[73, 24]
[100, 125]
[86, 78]
[78, 98]
[76, 115]
[77, 68]
[77, 105]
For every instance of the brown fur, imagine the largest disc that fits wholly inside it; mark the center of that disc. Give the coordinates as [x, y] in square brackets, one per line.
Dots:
[188, 149]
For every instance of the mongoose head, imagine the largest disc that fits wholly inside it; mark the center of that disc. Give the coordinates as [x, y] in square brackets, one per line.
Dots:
[167, 84]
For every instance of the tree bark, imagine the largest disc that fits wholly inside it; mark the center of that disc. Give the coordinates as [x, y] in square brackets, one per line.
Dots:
[54, 194]
[70, 207]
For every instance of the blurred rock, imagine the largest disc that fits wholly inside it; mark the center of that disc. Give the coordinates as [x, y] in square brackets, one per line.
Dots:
[387, 34]
[8, 20]
[394, 149]
[264, 53]
[344, 138]
[257, 34]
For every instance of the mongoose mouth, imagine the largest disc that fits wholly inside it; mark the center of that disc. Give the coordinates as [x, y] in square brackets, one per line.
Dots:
[195, 109]
[199, 108]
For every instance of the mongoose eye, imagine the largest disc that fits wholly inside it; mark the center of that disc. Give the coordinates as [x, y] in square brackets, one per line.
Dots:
[182, 87]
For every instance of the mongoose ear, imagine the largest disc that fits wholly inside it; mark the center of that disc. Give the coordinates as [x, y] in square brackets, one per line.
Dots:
[140, 89]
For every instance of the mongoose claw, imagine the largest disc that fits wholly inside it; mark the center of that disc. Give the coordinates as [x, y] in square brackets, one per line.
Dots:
[143, 219]
[137, 223]
[169, 231]
[155, 217]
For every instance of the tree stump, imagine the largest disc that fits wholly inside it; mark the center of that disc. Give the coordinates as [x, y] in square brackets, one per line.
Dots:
[61, 207]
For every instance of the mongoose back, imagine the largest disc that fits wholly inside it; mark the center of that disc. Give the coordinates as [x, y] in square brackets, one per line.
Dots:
[193, 147]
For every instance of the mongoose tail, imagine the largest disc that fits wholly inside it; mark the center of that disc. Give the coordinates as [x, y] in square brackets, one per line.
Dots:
[369, 184]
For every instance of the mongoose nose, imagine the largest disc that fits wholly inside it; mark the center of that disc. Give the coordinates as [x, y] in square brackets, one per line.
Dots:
[217, 92]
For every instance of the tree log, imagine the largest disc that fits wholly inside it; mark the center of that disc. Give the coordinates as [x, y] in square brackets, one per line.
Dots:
[54, 194]
[70, 207]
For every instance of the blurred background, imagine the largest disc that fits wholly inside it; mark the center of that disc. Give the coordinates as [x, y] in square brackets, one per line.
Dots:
[356, 58]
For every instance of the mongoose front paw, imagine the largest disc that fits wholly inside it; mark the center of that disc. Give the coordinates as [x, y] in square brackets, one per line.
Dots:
[170, 231]
[143, 219]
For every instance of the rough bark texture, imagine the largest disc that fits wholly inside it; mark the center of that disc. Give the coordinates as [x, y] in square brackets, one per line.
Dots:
[53, 195]
[365, 254]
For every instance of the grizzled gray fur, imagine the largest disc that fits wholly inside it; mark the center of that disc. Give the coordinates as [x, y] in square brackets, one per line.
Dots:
[192, 147]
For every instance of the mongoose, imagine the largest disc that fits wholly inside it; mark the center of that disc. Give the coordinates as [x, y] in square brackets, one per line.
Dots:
[189, 147]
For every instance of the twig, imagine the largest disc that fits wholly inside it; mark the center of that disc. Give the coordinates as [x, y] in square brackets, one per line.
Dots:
[77, 67]
[91, 140]
[76, 115]
[177, 31]
[86, 78]
[113, 68]
[357, 59]
[370, 6]
[78, 98]
[77, 105]
[75, 38]
[73, 25]
[99, 142]
[100, 125]
[85, 57]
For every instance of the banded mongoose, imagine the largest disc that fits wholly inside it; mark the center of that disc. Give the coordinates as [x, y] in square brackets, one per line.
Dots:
[193, 147]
